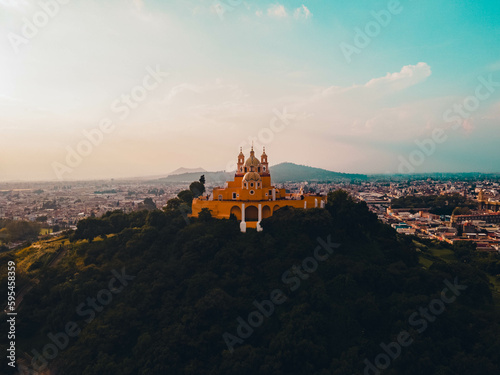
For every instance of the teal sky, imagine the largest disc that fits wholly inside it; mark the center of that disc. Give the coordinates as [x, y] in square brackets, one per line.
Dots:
[231, 71]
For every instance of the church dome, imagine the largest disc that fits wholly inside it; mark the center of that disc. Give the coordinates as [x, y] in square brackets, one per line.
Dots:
[251, 176]
[252, 162]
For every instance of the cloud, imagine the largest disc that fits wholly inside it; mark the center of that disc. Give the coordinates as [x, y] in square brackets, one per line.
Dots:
[277, 11]
[176, 90]
[408, 76]
[370, 110]
[302, 13]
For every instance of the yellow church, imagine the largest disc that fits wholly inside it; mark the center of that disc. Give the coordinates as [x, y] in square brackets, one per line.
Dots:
[251, 197]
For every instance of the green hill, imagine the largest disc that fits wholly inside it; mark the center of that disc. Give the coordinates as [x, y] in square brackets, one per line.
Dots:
[290, 172]
[158, 293]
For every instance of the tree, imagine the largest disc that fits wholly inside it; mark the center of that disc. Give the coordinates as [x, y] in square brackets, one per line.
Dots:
[49, 205]
[186, 196]
[156, 218]
[20, 231]
[464, 250]
[149, 204]
[4, 235]
[90, 228]
[461, 211]
[340, 201]
[202, 179]
[173, 204]
[197, 188]
[205, 214]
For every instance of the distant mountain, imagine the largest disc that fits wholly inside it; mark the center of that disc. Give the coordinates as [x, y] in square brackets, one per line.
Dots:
[210, 177]
[290, 172]
[284, 172]
[186, 170]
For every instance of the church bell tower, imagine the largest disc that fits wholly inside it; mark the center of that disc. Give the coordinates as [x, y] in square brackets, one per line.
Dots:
[241, 162]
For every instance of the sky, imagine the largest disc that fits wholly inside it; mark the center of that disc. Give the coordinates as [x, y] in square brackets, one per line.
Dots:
[124, 88]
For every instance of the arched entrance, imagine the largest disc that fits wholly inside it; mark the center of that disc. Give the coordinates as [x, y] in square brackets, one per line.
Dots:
[251, 213]
[236, 211]
[276, 208]
[266, 212]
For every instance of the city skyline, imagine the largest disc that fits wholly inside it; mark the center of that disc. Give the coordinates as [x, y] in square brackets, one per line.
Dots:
[141, 88]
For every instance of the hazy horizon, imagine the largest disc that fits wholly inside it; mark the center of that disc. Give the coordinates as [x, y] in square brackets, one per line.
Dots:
[163, 175]
[138, 88]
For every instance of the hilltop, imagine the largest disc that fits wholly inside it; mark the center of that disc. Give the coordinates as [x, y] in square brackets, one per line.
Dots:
[188, 284]
[186, 170]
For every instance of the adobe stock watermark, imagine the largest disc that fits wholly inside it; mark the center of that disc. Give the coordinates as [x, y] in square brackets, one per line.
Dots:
[61, 340]
[455, 115]
[292, 278]
[277, 124]
[221, 7]
[122, 107]
[364, 36]
[47, 10]
[420, 321]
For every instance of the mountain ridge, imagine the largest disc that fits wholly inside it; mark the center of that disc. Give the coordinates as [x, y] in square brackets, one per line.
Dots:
[280, 173]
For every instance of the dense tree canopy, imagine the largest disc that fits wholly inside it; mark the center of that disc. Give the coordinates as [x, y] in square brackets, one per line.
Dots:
[348, 283]
[438, 204]
[18, 230]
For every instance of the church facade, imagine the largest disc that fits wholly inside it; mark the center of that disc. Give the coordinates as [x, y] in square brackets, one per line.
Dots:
[251, 197]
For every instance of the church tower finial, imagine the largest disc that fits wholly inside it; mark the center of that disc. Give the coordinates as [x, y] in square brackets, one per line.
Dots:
[263, 161]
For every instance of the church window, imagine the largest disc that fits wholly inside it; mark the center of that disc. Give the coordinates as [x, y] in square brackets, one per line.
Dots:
[252, 192]
[234, 195]
[220, 197]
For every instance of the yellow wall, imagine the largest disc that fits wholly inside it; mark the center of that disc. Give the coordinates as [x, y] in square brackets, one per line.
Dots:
[236, 186]
[223, 209]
